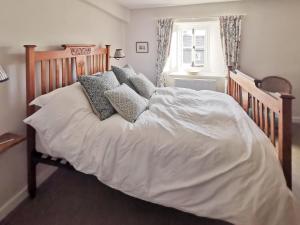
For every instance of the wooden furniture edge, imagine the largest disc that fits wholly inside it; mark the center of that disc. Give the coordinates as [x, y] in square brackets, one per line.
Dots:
[12, 140]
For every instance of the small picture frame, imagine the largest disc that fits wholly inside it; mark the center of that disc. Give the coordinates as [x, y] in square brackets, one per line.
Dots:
[142, 47]
[3, 75]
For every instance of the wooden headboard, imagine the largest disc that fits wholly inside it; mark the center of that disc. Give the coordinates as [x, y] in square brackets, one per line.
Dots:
[49, 70]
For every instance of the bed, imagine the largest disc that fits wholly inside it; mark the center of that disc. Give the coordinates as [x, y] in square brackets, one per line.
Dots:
[209, 120]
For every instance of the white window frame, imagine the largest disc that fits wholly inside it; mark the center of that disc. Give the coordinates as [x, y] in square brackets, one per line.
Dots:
[205, 48]
[180, 27]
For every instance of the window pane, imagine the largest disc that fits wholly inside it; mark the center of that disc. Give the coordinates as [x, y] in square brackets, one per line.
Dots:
[199, 41]
[200, 38]
[199, 57]
[187, 56]
[200, 32]
[187, 38]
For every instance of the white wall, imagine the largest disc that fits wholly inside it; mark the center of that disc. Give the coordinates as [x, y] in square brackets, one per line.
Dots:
[47, 24]
[112, 8]
[270, 37]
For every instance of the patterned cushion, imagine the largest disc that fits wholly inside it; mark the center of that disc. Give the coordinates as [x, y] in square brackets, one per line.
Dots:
[143, 86]
[123, 74]
[94, 87]
[127, 102]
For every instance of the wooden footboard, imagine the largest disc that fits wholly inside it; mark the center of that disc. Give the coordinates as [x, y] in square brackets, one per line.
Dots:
[271, 112]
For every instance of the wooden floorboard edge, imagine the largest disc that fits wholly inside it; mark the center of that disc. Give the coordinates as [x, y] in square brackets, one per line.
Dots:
[19, 197]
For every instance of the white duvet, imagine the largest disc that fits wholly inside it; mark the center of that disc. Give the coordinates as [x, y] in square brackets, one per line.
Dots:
[195, 151]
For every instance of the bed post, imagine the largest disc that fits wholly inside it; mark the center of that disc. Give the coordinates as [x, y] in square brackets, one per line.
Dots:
[285, 137]
[229, 81]
[107, 63]
[30, 95]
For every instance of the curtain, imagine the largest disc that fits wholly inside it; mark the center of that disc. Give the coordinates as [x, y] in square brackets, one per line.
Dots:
[164, 35]
[230, 27]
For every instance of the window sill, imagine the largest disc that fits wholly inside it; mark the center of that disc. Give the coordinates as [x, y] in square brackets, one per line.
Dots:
[201, 75]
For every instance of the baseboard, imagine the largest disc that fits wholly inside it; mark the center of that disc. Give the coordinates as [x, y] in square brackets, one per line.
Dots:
[296, 119]
[12, 203]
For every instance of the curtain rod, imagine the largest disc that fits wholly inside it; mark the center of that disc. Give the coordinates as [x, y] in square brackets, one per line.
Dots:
[197, 18]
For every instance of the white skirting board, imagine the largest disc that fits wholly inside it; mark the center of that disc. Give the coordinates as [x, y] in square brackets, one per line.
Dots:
[296, 119]
[12, 203]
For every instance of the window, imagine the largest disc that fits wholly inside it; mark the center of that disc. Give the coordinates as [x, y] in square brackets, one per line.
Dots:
[196, 46]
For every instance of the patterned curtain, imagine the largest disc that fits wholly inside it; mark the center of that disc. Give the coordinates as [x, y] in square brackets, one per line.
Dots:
[164, 36]
[230, 27]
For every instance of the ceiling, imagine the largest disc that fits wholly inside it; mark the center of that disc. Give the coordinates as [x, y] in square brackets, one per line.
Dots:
[137, 4]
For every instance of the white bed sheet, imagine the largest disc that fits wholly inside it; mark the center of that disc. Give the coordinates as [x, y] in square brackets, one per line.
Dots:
[195, 151]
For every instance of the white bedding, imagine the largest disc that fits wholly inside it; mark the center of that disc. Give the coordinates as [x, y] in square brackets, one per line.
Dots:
[195, 151]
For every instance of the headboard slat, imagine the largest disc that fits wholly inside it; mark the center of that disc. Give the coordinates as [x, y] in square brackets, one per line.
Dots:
[272, 134]
[99, 63]
[64, 72]
[107, 58]
[57, 74]
[102, 63]
[93, 64]
[96, 62]
[51, 75]
[266, 115]
[43, 77]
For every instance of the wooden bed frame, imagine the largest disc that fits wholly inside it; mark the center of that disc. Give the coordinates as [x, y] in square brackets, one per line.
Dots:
[48, 70]
[272, 112]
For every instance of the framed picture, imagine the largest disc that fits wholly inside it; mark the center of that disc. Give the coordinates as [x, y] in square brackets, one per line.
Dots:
[142, 47]
[3, 75]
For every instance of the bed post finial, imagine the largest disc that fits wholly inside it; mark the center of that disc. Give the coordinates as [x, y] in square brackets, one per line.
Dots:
[30, 76]
[30, 95]
[229, 80]
[107, 64]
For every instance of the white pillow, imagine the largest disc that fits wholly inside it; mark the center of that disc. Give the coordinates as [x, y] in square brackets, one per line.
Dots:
[60, 119]
[43, 100]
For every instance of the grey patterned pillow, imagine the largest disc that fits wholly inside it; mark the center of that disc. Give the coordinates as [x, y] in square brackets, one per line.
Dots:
[127, 102]
[94, 87]
[123, 74]
[143, 86]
